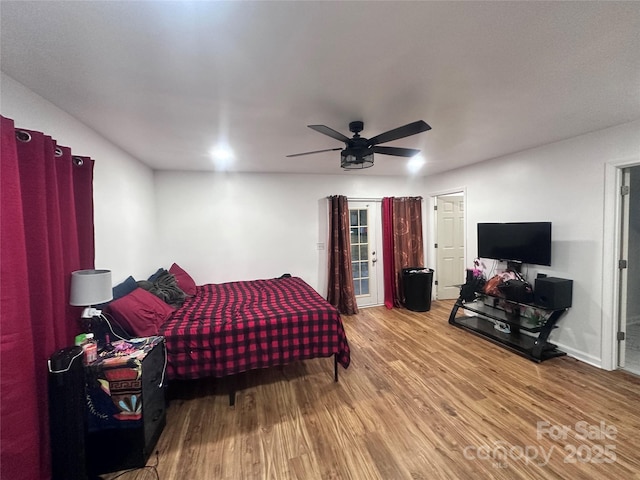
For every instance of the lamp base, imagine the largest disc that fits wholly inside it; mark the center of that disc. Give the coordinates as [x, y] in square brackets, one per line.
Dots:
[91, 312]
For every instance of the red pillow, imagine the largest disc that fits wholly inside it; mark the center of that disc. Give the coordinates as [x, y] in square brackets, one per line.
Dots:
[183, 279]
[141, 313]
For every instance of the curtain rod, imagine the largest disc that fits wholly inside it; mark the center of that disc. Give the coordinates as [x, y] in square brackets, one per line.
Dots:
[379, 199]
[357, 199]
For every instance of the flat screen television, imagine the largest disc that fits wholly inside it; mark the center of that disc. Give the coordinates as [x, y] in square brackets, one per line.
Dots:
[519, 242]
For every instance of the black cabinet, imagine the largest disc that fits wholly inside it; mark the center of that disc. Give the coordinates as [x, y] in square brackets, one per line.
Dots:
[523, 328]
[126, 405]
[67, 415]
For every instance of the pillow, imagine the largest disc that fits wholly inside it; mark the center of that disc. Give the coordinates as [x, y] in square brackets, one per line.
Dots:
[184, 280]
[124, 288]
[120, 290]
[140, 312]
[165, 288]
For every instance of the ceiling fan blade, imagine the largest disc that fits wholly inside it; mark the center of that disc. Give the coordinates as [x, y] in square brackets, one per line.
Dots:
[330, 132]
[397, 151]
[315, 151]
[400, 132]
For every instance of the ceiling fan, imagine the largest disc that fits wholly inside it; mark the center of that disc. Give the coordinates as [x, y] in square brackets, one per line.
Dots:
[359, 151]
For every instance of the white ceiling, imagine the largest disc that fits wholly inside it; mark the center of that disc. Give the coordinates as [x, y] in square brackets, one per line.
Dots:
[165, 81]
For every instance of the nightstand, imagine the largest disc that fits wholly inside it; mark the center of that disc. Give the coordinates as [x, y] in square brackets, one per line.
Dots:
[125, 404]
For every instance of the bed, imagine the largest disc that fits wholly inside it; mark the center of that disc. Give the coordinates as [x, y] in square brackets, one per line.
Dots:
[225, 329]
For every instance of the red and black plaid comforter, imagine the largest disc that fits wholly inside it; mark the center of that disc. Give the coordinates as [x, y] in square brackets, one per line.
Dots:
[234, 327]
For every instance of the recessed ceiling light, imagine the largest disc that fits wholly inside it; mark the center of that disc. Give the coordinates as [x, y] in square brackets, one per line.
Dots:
[222, 152]
[222, 156]
[415, 163]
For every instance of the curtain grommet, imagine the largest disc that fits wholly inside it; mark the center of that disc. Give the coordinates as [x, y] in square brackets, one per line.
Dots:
[23, 136]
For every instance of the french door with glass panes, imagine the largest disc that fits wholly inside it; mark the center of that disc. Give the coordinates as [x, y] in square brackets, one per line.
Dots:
[363, 221]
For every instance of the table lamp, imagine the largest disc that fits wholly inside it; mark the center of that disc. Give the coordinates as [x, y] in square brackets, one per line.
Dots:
[89, 288]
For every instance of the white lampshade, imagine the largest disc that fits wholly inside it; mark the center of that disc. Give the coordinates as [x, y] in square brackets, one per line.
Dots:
[90, 287]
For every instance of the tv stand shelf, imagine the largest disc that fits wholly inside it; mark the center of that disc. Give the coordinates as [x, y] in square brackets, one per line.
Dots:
[529, 325]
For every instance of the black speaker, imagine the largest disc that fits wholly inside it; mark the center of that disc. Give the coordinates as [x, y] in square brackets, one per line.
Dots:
[67, 415]
[553, 293]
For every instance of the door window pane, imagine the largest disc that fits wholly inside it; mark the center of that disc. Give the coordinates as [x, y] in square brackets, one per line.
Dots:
[356, 286]
[356, 269]
[364, 269]
[353, 218]
[363, 217]
[364, 286]
[364, 252]
[363, 235]
[355, 253]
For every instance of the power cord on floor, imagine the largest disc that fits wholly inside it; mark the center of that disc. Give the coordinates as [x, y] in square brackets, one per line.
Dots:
[153, 468]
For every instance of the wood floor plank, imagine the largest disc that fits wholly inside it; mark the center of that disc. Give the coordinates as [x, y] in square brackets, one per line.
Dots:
[421, 400]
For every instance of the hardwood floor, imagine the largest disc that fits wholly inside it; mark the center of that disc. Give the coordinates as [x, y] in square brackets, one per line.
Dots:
[421, 400]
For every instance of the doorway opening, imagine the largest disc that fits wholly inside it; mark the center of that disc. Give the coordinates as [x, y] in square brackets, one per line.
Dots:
[628, 336]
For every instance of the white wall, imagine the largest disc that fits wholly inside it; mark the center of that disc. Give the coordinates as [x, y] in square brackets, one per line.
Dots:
[564, 183]
[226, 227]
[123, 186]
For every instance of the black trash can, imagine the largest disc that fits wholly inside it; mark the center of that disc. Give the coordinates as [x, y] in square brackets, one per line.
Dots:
[416, 286]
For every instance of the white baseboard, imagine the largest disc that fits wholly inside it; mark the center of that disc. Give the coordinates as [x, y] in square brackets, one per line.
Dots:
[578, 355]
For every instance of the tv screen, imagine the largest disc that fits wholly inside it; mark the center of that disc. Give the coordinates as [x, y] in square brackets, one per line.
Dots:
[525, 242]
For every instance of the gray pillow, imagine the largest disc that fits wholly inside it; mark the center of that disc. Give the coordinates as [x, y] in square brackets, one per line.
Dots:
[165, 287]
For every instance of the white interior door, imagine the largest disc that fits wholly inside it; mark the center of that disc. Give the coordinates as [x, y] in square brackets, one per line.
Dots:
[450, 270]
[366, 255]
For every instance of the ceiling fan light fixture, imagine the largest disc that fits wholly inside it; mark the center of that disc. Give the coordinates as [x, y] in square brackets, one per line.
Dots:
[359, 151]
[350, 160]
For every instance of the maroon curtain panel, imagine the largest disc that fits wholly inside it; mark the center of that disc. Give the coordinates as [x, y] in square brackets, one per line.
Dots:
[402, 243]
[341, 293]
[388, 266]
[46, 233]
